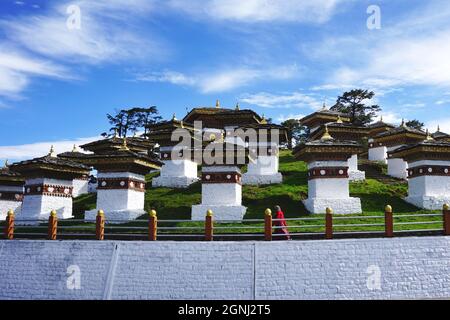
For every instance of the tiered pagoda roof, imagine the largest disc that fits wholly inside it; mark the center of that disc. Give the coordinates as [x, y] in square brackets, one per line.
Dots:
[123, 159]
[269, 127]
[323, 116]
[327, 148]
[9, 177]
[424, 150]
[401, 135]
[220, 118]
[379, 127]
[441, 136]
[114, 143]
[342, 131]
[50, 166]
[161, 132]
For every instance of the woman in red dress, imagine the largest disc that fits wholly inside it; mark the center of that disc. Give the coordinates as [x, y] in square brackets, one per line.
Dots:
[280, 224]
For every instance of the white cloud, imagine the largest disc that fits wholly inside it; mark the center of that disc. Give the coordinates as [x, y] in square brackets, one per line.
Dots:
[39, 149]
[16, 68]
[284, 117]
[249, 11]
[107, 33]
[284, 100]
[223, 80]
[444, 125]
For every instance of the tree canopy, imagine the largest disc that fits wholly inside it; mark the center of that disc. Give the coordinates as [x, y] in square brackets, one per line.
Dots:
[295, 132]
[356, 103]
[129, 121]
[415, 124]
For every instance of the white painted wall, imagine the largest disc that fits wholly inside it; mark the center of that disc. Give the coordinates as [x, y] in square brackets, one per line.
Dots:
[398, 268]
[5, 206]
[79, 187]
[397, 168]
[378, 154]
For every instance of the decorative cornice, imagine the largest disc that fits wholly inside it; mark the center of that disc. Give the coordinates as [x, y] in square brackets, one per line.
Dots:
[48, 190]
[328, 173]
[221, 177]
[121, 183]
[429, 171]
[11, 196]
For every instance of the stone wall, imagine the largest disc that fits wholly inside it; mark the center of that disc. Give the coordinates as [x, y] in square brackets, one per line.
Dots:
[335, 269]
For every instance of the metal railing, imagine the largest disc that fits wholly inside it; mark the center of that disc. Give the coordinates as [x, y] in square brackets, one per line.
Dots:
[329, 226]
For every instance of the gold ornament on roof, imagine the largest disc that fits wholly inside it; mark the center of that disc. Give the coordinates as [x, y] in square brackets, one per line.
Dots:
[326, 136]
[324, 107]
[237, 106]
[339, 120]
[217, 104]
[124, 145]
[74, 149]
[116, 133]
[403, 123]
[52, 152]
[263, 120]
[429, 137]
[174, 117]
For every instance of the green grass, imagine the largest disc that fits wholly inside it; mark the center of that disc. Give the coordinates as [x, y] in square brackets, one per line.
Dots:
[175, 204]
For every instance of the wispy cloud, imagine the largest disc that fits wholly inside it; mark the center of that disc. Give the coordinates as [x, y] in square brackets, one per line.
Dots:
[223, 80]
[39, 149]
[250, 11]
[283, 100]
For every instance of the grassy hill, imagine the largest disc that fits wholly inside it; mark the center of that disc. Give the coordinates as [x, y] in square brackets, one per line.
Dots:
[374, 194]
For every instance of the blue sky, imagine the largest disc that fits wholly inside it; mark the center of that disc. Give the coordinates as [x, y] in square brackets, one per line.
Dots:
[280, 58]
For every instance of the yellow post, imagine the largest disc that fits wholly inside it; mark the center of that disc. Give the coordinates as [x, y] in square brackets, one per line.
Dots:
[152, 226]
[268, 225]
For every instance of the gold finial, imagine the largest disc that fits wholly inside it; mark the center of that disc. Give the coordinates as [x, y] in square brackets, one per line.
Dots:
[429, 137]
[326, 136]
[174, 117]
[446, 207]
[100, 213]
[329, 210]
[10, 213]
[52, 152]
[237, 106]
[403, 123]
[268, 212]
[339, 120]
[53, 213]
[152, 213]
[116, 133]
[263, 119]
[212, 137]
[324, 107]
[217, 104]
[124, 145]
[74, 149]
[388, 209]
[209, 213]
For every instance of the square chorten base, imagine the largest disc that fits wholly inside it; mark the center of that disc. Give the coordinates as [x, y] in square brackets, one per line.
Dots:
[356, 175]
[220, 212]
[173, 182]
[339, 206]
[254, 179]
[428, 202]
[110, 216]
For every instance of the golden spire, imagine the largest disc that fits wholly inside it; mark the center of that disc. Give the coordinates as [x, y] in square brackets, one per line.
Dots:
[263, 120]
[324, 107]
[124, 145]
[237, 106]
[174, 117]
[429, 137]
[326, 136]
[52, 152]
[217, 104]
[74, 148]
[339, 120]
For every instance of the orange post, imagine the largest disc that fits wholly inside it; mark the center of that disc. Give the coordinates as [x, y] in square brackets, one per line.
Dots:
[209, 226]
[446, 214]
[268, 225]
[100, 225]
[388, 222]
[152, 226]
[329, 224]
[52, 225]
[9, 227]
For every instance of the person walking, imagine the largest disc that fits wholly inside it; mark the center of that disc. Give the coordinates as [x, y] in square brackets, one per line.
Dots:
[280, 225]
